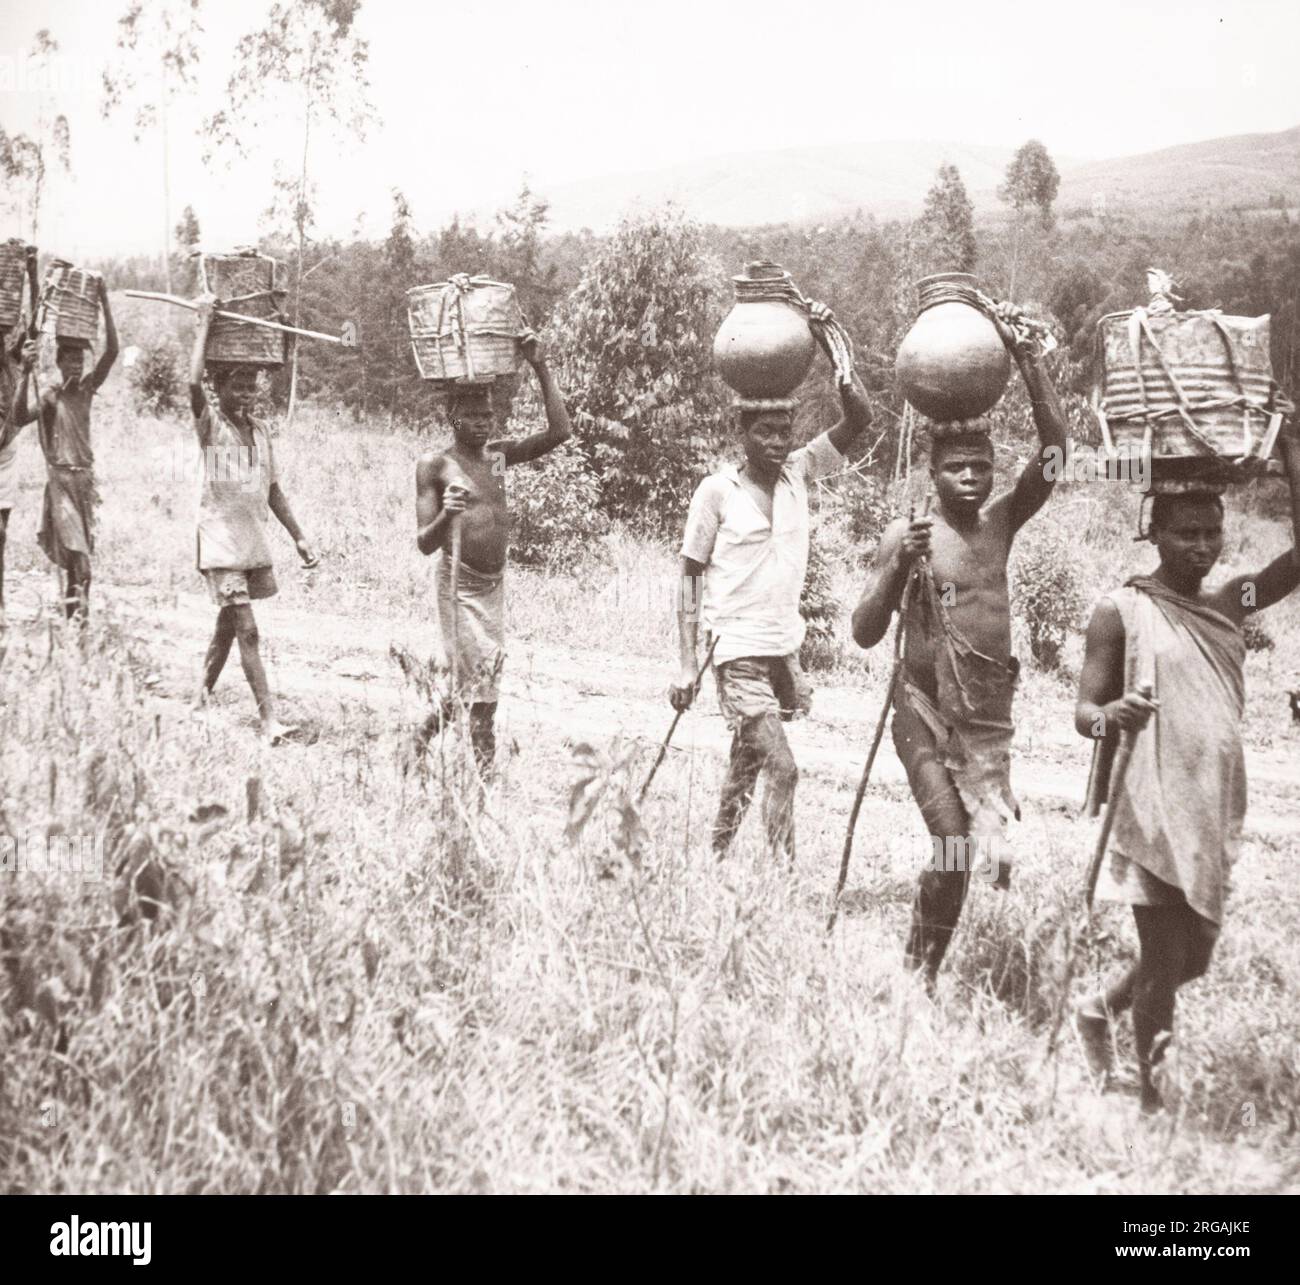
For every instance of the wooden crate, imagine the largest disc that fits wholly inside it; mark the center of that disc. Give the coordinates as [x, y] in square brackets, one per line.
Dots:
[72, 298]
[465, 330]
[1193, 390]
[244, 282]
[13, 273]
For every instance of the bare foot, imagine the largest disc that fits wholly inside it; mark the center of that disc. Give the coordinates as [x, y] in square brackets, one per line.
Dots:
[277, 733]
[1093, 1030]
[1150, 1101]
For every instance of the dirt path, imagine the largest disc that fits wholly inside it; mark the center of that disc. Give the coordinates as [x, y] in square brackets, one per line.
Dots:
[333, 663]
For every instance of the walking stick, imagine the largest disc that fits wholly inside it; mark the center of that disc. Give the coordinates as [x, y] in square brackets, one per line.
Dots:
[672, 727]
[1119, 769]
[1117, 773]
[895, 670]
[455, 611]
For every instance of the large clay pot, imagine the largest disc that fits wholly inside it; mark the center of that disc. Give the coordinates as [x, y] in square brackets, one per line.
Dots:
[764, 348]
[952, 364]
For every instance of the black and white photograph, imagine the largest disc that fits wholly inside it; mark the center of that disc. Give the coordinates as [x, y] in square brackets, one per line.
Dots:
[692, 599]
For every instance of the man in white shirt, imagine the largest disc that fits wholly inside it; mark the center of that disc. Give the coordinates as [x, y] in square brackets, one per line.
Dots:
[744, 556]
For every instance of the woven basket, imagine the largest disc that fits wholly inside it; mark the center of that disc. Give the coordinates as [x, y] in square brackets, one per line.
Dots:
[13, 272]
[1192, 391]
[467, 329]
[244, 282]
[72, 296]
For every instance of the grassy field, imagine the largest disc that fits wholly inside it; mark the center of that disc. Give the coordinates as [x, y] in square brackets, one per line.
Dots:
[361, 980]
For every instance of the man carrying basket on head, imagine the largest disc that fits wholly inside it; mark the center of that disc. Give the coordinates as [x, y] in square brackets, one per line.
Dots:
[241, 485]
[466, 485]
[67, 531]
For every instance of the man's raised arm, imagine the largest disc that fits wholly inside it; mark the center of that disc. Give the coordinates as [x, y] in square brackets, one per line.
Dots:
[1034, 484]
[198, 398]
[109, 355]
[24, 409]
[558, 429]
[1243, 595]
[857, 416]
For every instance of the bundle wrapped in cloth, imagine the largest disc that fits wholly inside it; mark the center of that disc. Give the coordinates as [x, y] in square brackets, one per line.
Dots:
[1190, 393]
[465, 330]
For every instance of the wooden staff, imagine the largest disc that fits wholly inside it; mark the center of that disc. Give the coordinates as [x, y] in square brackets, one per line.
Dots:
[895, 670]
[1117, 774]
[1119, 768]
[455, 613]
[233, 316]
[663, 749]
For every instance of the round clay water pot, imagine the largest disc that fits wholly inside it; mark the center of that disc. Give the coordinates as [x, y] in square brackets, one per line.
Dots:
[764, 348]
[952, 364]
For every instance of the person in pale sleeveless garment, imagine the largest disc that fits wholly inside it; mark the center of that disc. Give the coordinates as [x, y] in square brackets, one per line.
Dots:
[1179, 810]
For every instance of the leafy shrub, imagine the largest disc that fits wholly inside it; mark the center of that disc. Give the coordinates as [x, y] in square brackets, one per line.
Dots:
[818, 606]
[1048, 591]
[633, 348]
[555, 505]
[156, 378]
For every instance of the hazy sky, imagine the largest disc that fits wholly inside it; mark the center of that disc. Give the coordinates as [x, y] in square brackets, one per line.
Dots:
[473, 96]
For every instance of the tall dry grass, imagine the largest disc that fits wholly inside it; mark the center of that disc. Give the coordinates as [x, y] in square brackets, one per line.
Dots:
[371, 982]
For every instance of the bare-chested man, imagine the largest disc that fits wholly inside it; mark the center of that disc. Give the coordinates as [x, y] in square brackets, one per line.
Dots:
[1178, 813]
[67, 531]
[241, 485]
[468, 483]
[952, 714]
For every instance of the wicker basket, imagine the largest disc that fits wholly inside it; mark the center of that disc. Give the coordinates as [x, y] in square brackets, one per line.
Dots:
[71, 295]
[244, 282]
[13, 272]
[1192, 391]
[465, 330]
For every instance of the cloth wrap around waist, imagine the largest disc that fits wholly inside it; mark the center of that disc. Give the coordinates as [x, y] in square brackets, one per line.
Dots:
[971, 718]
[479, 634]
[68, 514]
[1180, 810]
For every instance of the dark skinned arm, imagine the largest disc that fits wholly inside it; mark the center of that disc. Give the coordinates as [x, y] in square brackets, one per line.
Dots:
[558, 429]
[1103, 705]
[109, 355]
[1244, 595]
[436, 504]
[279, 505]
[1033, 486]
[24, 410]
[691, 593]
[203, 324]
[901, 543]
[857, 416]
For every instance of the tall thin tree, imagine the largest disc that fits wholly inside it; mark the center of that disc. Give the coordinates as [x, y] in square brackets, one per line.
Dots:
[309, 52]
[1031, 182]
[157, 57]
[947, 224]
[31, 158]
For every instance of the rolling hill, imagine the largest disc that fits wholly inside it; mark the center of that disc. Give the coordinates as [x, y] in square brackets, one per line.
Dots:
[890, 179]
